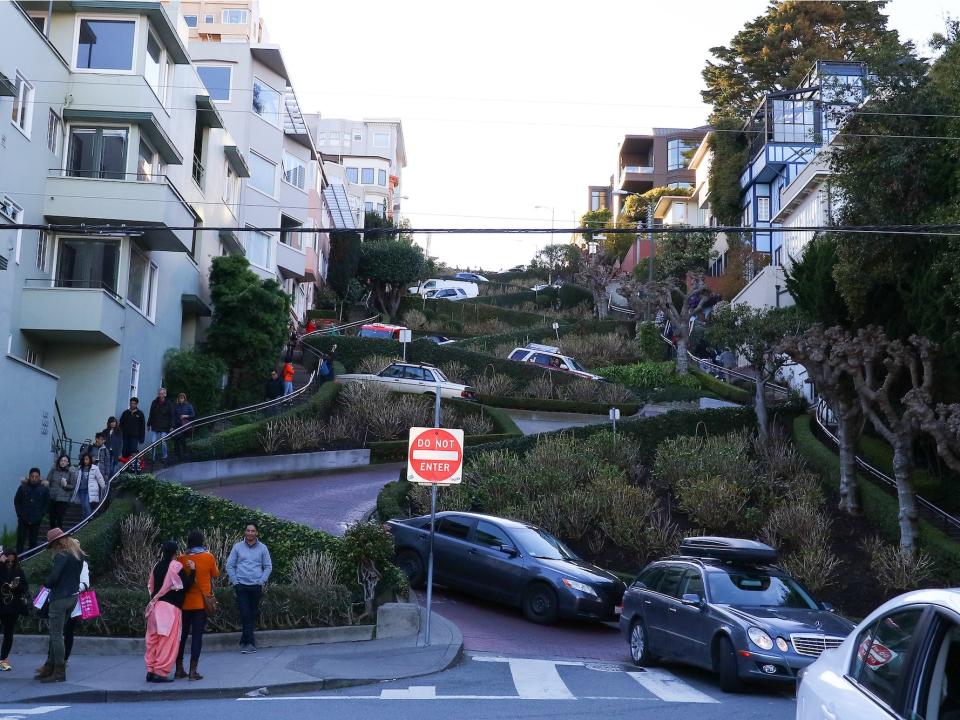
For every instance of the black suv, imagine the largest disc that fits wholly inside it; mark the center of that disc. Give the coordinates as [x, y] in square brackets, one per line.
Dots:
[724, 606]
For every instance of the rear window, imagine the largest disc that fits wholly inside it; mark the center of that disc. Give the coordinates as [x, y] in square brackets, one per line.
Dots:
[380, 334]
[454, 527]
[518, 354]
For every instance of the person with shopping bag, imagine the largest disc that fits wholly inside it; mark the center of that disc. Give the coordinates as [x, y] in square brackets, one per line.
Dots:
[62, 586]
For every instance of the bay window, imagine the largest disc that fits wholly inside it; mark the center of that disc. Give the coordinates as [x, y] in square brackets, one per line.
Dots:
[104, 44]
[266, 102]
[142, 283]
[294, 171]
[258, 246]
[88, 263]
[97, 153]
[263, 174]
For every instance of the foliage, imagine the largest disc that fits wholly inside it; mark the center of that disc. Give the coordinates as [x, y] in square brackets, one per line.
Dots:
[742, 265]
[896, 571]
[249, 325]
[368, 550]
[559, 259]
[729, 146]
[652, 346]
[648, 375]
[595, 219]
[596, 277]
[137, 552]
[597, 405]
[811, 283]
[196, 373]
[634, 209]
[389, 267]
[344, 260]
[680, 254]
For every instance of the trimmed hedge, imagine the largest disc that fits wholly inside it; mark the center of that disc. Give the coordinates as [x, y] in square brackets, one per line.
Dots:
[573, 295]
[725, 391]
[546, 334]
[509, 299]
[570, 406]
[387, 451]
[391, 500]
[462, 312]
[878, 507]
[317, 314]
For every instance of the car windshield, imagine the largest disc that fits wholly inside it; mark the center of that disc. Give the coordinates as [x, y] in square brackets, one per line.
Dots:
[574, 365]
[757, 589]
[541, 544]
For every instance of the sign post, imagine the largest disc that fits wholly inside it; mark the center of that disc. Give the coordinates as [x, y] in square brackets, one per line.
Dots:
[556, 329]
[434, 457]
[405, 337]
[614, 416]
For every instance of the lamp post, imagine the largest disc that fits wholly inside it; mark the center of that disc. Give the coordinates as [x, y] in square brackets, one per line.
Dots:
[552, 217]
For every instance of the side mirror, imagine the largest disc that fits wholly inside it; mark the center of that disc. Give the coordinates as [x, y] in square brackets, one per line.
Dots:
[509, 550]
[692, 600]
[827, 606]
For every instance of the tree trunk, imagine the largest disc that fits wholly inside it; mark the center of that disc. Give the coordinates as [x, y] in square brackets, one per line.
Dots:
[600, 300]
[908, 515]
[847, 440]
[682, 358]
[760, 406]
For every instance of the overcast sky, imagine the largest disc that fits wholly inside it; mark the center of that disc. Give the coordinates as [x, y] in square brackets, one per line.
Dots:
[509, 105]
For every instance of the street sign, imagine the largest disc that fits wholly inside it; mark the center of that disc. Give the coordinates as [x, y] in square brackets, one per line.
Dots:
[405, 337]
[614, 413]
[435, 456]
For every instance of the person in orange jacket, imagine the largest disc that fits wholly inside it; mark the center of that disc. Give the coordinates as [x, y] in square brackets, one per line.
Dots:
[288, 373]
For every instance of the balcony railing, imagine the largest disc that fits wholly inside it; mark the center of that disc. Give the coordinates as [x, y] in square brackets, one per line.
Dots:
[638, 169]
[108, 175]
[73, 284]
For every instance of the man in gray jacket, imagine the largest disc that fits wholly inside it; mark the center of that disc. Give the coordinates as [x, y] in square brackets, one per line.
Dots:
[248, 568]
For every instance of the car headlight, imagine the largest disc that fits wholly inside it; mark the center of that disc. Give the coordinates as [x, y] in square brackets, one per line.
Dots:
[759, 638]
[579, 586]
[782, 645]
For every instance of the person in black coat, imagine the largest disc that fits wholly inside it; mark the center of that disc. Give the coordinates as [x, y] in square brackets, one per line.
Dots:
[14, 601]
[31, 502]
[114, 440]
[133, 428]
[274, 388]
[161, 420]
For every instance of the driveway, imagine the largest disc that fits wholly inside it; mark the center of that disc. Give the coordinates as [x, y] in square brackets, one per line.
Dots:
[533, 422]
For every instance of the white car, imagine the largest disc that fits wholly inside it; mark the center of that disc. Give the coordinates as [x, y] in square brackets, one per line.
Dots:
[446, 294]
[413, 378]
[902, 661]
[550, 358]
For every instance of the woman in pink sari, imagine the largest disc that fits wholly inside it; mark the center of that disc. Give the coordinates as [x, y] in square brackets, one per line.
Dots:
[167, 585]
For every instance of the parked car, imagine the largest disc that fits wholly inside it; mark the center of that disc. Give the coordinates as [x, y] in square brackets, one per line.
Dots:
[437, 339]
[471, 277]
[381, 331]
[446, 294]
[507, 561]
[722, 605]
[902, 661]
[551, 358]
[470, 288]
[413, 378]
[540, 287]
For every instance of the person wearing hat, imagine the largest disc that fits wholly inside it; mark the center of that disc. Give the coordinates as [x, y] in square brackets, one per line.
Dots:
[168, 583]
[64, 584]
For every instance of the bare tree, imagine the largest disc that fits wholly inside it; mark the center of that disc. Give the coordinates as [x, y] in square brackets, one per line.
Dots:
[679, 304]
[596, 277]
[814, 349]
[939, 421]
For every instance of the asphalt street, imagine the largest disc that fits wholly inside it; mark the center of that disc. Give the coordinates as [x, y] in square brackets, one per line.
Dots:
[484, 686]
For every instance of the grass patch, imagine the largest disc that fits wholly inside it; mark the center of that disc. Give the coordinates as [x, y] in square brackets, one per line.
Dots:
[546, 405]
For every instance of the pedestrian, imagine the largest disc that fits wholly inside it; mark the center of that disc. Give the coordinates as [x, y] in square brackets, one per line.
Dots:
[14, 601]
[31, 502]
[183, 413]
[61, 484]
[196, 602]
[288, 373]
[132, 428]
[274, 387]
[248, 567]
[167, 583]
[160, 421]
[114, 441]
[63, 582]
[90, 486]
[292, 342]
[100, 454]
[311, 326]
[331, 358]
[71, 624]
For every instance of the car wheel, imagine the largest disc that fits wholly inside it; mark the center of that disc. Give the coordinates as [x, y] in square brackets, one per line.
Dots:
[540, 604]
[639, 647]
[411, 565]
[730, 681]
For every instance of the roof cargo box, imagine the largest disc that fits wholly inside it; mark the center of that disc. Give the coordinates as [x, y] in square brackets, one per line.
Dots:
[732, 549]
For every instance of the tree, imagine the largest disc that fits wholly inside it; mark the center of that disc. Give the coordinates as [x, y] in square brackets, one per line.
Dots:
[742, 265]
[755, 334]
[634, 208]
[388, 267]
[196, 373]
[814, 349]
[811, 284]
[679, 254]
[729, 145]
[374, 222]
[250, 322]
[774, 51]
[558, 258]
[599, 219]
[344, 260]
[596, 277]
[680, 301]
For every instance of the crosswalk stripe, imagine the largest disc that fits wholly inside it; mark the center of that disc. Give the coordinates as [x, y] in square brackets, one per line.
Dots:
[538, 680]
[669, 688]
[42, 710]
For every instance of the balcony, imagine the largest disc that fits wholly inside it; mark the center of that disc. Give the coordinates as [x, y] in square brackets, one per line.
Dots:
[151, 203]
[89, 316]
[312, 270]
[291, 262]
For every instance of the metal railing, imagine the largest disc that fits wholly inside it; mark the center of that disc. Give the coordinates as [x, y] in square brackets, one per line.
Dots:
[135, 460]
[936, 516]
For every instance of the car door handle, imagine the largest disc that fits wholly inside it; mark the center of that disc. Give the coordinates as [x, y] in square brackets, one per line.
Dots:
[648, 602]
[828, 712]
[471, 551]
[672, 609]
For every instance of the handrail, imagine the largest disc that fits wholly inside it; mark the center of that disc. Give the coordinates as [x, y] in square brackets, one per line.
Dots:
[949, 522]
[198, 423]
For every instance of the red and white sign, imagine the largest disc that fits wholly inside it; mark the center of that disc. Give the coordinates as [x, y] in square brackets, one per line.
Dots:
[435, 456]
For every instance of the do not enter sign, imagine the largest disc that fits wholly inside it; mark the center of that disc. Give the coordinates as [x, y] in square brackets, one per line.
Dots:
[435, 456]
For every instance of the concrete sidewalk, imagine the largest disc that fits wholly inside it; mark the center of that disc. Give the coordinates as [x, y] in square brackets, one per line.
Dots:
[279, 670]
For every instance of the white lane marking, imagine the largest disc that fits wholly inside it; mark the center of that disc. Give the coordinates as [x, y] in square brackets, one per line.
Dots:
[669, 688]
[42, 710]
[500, 659]
[442, 697]
[414, 692]
[436, 455]
[539, 680]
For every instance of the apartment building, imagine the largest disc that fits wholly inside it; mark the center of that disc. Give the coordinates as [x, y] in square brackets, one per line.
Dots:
[109, 124]
[373, 155]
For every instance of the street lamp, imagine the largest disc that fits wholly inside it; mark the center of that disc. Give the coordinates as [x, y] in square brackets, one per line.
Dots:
[552, 216]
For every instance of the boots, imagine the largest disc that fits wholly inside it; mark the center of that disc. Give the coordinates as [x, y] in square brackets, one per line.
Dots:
[194, 675]
[180, 673]
[43, 671]
[59, 674]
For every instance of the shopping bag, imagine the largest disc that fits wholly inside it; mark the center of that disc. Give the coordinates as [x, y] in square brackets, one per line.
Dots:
[41, 597]
[89, 608]
[76, 612]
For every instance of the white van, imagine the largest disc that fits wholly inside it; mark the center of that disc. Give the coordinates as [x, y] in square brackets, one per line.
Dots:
[470, 288]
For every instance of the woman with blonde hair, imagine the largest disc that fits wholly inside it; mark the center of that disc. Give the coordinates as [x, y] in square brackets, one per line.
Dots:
[63, 582]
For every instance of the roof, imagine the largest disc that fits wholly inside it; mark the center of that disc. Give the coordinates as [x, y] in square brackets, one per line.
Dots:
[506, 522]
[271, 56]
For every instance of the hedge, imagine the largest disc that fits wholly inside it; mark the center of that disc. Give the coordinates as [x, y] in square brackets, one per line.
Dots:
[463, 312]
[878, 507]
[546, 333]
[512, 298]
[548, 405]
[316, 314]
[573, 295]
[879, 454]
[390, 500]
[725, 391]
[388, 451]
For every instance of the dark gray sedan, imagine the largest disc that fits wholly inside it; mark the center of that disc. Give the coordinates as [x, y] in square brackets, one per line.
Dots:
[511, 562]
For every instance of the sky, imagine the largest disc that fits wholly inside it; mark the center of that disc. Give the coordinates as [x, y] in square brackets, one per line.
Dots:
[510, 105]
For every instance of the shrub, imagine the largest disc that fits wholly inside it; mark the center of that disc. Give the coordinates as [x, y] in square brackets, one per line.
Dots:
[485, 327]
[373, 410]
[137, 552]
[614, 394]
[714, 503]
[814, 564]
[894, 571]
[474, 425]
[648, 375]
[715, 456]
[541, 387]
[198, 374]
[315, 570]
[652, 347]
[493, 384]
[455, 371]
[597, 349]
[271, 437]
[581, 390]
[414, 319]
[368, 551]
[372, 364]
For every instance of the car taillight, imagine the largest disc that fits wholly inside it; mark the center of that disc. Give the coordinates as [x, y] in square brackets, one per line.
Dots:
[467, 393]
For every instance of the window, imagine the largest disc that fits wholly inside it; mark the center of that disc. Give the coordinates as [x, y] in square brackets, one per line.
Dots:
[880, 663]
[366, 176]
[234, 16]
[208, 19]
[680, 213]
[216, 79]
[14, 213]
[490, 535]
[42, 251]
[692, 584]
[263, 174]
[142, 283]
[191, 20]
[357, 135]
[54, 132]
[598, 199]
[382, 178]
[679, 153]
[793, 121]
[353, 175]
[294, 171]
[649, 579]
[97, 153]
[231, 189]
[134, 378]
[153, 66]
[381, 139]
[413, 373]
[22, 104]
[670, 583]
[105, 44]
[145, 162]
[763, 209]
[83, 263]
[39, 21]
[258, 245]
[368, 207]
[266, 102]
[456, 527]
